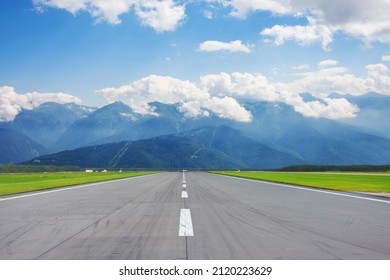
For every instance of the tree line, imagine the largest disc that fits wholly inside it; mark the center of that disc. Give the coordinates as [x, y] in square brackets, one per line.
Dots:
[16, 168]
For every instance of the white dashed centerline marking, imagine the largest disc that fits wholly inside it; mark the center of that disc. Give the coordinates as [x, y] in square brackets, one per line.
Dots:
[185, 228]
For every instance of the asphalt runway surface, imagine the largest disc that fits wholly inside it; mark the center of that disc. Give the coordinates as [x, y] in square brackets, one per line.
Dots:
[193, 215]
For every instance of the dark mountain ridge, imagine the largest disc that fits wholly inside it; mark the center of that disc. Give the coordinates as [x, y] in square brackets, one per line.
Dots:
[208, 147]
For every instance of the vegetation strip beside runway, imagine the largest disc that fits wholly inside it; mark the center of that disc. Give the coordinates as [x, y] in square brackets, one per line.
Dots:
[19, 183]
[357, 182]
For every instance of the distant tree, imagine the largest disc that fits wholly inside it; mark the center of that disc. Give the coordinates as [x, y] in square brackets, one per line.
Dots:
[12, 168]
[9, 167]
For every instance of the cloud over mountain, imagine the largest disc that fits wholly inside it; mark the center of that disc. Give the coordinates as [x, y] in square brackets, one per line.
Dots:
[258, 87]
[338, 79]
[11, 102]
[218, 93]
[194, 101]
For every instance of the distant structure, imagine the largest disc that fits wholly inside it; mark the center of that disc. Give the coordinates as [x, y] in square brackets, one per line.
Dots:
[104, 170]
[89, 170]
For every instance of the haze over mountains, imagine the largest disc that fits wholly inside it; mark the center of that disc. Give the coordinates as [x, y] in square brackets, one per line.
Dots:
[116, 136]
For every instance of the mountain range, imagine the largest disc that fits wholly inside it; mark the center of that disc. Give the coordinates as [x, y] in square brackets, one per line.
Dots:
[116, 136]
[207, 147]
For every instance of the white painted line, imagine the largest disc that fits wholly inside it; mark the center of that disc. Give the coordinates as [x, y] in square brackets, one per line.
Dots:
[184, 185]
[309, 189]
[185, 228]
[184, 194]
[62, 189]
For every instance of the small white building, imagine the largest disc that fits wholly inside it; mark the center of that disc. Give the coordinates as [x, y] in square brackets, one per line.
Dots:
[89, 170]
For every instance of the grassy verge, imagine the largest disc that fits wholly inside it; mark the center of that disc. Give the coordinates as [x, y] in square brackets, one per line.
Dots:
[19, 183]
[360, 182]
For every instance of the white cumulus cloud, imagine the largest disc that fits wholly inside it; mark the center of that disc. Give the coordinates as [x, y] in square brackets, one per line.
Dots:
[366, 21]
[303, 34]
[215, 46]
[241, 8]
[11, 102]
[325, 81]
[378, 78]
[253, 86]
[327, 63]
[258, 87]
[330, 108]
[161, 15]
[194, 101]
[218, 93]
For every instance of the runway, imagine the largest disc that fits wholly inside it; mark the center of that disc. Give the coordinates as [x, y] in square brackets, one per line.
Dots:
[193, 215]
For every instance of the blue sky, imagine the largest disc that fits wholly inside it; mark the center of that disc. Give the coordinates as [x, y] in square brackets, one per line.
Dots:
[205, 55]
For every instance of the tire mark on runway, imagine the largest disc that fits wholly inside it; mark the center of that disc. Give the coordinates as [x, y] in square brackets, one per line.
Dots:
[95, 223]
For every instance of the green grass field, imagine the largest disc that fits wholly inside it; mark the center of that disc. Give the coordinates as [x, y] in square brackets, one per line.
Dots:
[19, 183]
[359, 182]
